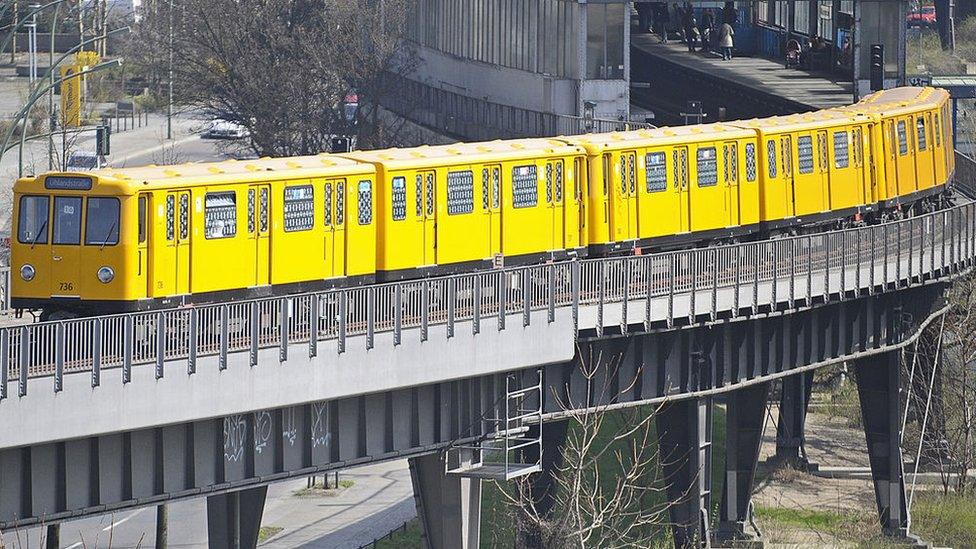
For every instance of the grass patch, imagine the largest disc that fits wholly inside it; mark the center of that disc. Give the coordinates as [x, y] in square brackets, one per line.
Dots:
[319, 489]
[810, 519]
[403, 539]
[945, 520]
[267, 532]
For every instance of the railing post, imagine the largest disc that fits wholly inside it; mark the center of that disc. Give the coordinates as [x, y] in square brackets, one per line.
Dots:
[843, 264]
[476, 305]
[283, 329]
[22, 359]
[313, 325]
[775, 287]
[714, 258]
[602, 294]
[946, 227]
[898, 251]
[127, 338]
[809, 270]
[884, 252]
[857, 263]
[398, 314]
[58, 357]
[501, 282]
[96, 373]
[191, 363]
[551, 293]
[911, 251]
[825, 246]
[873, 245]
[222, 359]
[451, 299]
[693, 257]
[526, 296]
[623, 305]
[648, 263]
[4, 361]
[755, 278]
[371, 316]
[160, 345]
[341, 335]
[792, 297]
[575, 274]
[254, 332]
[425, 310]
[671, 279]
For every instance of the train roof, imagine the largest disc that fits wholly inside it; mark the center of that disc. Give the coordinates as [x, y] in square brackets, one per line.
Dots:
[898, 101]
[598, 142]
[261, 170]
[802, 121]
[461, 153]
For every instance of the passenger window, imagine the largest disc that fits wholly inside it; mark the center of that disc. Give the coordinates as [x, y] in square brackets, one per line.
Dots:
[32, 225]
[920, 127]
[902, 138]
[496, 187]
[220, 215]
[460, 192]
[251, 206]
[429, 179]
[142, 219]
[938, 132]
[327, 204]
[841, 153]
[824, 155]
[263, 212]
[184, 216]
[804, 145]
[419, 193]
[299, 206]
[365, 202]
[67, 220]
[731, 157]
[399, 198]
[858, 145]
[485, 193]
[102, 222]
[549, 180]
[771, 158]
[787, 145]
[170, 217]
[559, 181]
[525, 191]
[340, 203]
[751, 162]
[657, 172]
[707, 167]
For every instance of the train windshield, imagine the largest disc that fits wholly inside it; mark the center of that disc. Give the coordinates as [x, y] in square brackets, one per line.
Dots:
[32, 227]
[102, 222]
[67, 220]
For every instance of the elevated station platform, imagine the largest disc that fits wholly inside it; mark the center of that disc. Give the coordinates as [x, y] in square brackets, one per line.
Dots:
[745, 86]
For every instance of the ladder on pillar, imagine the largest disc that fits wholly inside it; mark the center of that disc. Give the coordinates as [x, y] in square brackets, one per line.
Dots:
[500, 454]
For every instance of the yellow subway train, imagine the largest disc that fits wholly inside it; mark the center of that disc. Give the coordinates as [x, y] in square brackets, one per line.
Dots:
[152, 237]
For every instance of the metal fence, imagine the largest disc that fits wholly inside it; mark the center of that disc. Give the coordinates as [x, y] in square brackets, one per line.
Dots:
[728, 280]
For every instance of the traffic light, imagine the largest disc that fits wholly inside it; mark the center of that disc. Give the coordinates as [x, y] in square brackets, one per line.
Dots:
[340, 143]
[102, 140]
[877, 67]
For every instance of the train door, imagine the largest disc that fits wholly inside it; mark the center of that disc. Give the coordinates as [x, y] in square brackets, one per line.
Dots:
[730, 172]
[144, 206]
[629, 164]
[924, 151]
[706, 195]
[857, 161]
[491, 200]
[554, 202]
[66, 246]
[786, 152]
[891, 160]
[681, 189]
[259, 231]
[575, 212]
[171, 266]
[334, 222]
[905, 159]
[939, 152]
[427, 198]
[623, 222]
[823, 168]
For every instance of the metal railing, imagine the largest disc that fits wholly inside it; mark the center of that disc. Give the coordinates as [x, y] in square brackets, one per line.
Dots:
[696, 284]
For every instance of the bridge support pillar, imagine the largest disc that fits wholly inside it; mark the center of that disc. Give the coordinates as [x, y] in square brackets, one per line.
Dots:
[234, 518]
[543, 483]
[745, 412]
[877, 388]
[685, 441]
[449, 506]
[793, 406]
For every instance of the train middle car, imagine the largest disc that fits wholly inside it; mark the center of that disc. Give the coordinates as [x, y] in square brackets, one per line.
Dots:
[117, 240]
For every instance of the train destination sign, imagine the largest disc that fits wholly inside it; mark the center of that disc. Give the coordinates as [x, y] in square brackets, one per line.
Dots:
[68, 183]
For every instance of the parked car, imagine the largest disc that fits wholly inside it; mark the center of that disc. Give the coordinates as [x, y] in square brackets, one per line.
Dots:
[922, 17]
[225, 129]
[84, 161]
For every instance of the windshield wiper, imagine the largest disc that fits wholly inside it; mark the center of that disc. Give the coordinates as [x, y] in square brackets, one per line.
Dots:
[110, 229]
[39, 233]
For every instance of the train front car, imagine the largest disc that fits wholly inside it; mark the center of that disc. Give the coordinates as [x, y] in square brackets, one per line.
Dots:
[67, 255]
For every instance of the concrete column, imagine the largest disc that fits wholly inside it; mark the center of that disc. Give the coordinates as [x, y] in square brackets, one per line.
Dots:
[685, 439]
[53, 538]
[234, 518]
[449, 506]
[543, 483]
[790, 434]
[877, 388]
[746, 410]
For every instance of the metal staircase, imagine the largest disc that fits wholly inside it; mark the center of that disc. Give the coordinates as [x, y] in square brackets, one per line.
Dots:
[501, 453]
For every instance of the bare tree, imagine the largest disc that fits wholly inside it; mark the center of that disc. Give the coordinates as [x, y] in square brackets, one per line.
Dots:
[281, 68]
[607, 489]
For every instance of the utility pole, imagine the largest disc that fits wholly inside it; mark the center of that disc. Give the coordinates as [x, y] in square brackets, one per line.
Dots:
[169, 104]
[13, 42]
[162, 526]
[52, 120]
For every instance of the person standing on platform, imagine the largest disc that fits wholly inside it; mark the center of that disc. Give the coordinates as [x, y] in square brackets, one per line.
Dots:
[662, 20]
[643, 16]
[691, 28]
[678, 17]
[705, 30]
[725, 35]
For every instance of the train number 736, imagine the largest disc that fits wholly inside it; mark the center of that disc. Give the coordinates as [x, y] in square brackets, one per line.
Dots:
[65, 286]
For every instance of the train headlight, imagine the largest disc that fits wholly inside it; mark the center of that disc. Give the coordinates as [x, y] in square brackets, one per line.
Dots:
[106, 275]
[27, 272]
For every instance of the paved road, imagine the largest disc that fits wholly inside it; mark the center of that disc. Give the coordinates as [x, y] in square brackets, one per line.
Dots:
[379, 501]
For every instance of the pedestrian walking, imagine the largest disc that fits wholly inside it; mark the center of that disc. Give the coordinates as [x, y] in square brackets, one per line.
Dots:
[725, 42]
